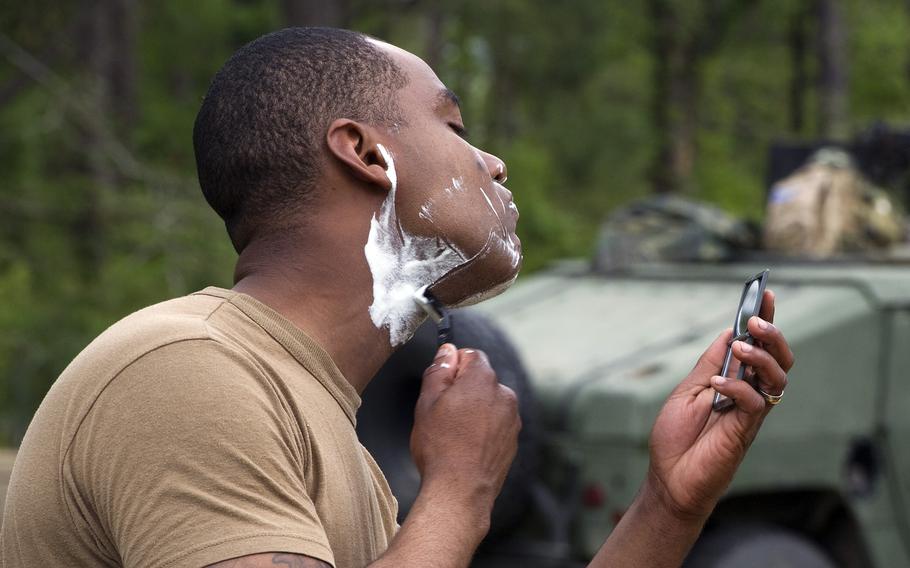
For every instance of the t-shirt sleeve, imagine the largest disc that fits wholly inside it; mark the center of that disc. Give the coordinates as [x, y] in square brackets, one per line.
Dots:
[189, 457]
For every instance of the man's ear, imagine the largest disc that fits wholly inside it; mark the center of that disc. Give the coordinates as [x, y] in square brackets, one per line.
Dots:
[356, 147]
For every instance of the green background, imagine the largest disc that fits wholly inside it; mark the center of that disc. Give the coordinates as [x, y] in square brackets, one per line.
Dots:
[591, 103]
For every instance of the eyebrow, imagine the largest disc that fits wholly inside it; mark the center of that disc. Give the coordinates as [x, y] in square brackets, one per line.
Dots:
[448, 96]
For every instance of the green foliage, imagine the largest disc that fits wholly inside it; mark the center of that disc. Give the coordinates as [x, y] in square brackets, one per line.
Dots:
[102, 213]
[880, 61]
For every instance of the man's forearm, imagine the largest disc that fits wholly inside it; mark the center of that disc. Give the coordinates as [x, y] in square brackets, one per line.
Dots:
[650, 535]
[443, 529]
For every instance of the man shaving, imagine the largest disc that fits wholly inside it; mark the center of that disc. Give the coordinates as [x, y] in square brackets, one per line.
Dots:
[218, 429]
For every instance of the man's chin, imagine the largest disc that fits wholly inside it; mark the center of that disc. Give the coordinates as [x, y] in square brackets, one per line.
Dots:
[470, 283]
[487, 294]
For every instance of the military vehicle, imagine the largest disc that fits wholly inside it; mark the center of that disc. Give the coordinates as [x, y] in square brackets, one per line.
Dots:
[593, 350]
[593, 356]
[827, 482]
[593, 353]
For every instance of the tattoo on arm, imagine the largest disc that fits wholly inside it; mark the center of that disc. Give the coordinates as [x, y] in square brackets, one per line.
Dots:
[272, 559]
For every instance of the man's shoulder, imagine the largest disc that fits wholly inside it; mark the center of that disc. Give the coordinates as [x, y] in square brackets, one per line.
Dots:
[169, 346]
[174, 320]
[151, 329]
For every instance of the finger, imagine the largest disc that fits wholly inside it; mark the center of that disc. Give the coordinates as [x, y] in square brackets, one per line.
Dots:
[771, 377]
[767, 306]
[473, 364]
[509, 396]
[742, 394]
[710, 361]
[772, 340]
[481, 355]
[510, 399]
[440, 374]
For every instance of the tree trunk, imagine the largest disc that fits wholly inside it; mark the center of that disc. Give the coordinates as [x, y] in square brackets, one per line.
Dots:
[107, 46]
[663, 42]
[679, 57]
[121, 73]
[797, 38]
[329, 13]
[687, 94]
[89, 226]
[677, 88]
[833, 119]
[435, 42]
[908, 58]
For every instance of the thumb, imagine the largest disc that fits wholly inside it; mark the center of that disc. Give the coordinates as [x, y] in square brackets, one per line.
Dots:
[440, 374]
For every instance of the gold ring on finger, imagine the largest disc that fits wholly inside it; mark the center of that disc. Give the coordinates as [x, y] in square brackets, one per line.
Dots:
[772, 399]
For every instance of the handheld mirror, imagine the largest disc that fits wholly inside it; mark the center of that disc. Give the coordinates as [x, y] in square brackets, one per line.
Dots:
[749, 305]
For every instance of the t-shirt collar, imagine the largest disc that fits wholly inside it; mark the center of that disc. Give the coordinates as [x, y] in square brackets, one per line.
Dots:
[302, 347]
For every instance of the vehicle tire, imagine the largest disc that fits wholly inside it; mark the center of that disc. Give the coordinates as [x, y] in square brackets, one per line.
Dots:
[756, 546]
[386, 416]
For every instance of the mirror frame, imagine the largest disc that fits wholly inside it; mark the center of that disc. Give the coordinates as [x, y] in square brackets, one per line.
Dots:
[721, 402]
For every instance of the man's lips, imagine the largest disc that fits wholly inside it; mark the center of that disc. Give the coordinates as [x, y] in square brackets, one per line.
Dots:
[505, 197]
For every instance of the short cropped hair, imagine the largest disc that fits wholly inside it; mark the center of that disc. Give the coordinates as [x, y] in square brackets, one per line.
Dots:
[260, 132]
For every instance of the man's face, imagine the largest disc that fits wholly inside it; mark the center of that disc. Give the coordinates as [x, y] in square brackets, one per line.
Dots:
[451, 191]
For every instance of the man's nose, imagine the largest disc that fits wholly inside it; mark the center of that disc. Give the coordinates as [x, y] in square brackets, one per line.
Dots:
[496, 167]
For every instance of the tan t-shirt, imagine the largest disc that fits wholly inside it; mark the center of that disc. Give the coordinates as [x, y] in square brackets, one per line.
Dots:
[194, 431]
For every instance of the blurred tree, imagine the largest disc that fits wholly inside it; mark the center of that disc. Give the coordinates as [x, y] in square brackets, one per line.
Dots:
[684, 36]
[435, 18]
[908, 56]
[331, 13]
[833, 120]
[798, 40]
[105, 40]
[590, 107]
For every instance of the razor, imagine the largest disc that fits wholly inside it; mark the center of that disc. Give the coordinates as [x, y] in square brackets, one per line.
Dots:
[437, 312]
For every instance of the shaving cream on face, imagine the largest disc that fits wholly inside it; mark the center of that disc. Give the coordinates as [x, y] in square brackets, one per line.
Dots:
[504, 236]
[494, 267]
[401, 263]
[496, 246]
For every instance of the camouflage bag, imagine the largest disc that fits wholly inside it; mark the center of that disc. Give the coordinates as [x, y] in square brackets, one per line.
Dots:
[670, 229]
[826, 208]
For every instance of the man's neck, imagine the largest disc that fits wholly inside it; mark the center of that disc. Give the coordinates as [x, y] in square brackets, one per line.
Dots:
[325, 290]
